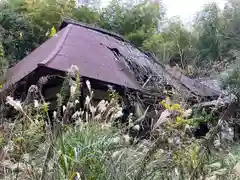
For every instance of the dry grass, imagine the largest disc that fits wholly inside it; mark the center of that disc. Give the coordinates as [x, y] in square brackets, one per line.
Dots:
[94, 148]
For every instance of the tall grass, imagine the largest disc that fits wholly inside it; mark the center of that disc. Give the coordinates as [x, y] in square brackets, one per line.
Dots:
[94, 148]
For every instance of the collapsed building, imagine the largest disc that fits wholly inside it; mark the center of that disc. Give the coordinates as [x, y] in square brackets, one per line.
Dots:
[104, 58]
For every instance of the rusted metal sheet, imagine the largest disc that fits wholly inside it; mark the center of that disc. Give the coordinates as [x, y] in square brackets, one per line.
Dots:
[78, 47]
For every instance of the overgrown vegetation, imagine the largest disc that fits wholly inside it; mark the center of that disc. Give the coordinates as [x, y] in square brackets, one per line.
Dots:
[94, 147]
[212, 39]
[211, 42]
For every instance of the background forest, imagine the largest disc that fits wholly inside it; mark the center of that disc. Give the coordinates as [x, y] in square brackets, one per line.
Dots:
[210, 41]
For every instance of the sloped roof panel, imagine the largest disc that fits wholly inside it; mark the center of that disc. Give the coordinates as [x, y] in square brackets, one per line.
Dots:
[30, 62]
[92, 56]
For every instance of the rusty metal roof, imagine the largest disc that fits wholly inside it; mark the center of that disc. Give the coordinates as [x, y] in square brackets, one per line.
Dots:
[100, 55]
[93, 51]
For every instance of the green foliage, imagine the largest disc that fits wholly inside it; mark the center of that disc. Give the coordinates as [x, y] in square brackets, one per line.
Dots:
[87, 15]
[3, 62]
[31, 20]
[208, 24]
[231, 34]
[53, 32]
[24, 24]
[12, 25]
[231, 80]
[48, 13]
[214, 36]
[85, 149]
[231, 31]
[135, 22]
[174, 39]
[162, 49]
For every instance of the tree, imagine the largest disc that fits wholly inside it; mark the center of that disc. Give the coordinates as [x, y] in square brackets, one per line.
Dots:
[26, 23]
[13, 25]
[137, 22]
[231, 31]
[231, 78]
[87, 15]
[173, 40]
[207, 26]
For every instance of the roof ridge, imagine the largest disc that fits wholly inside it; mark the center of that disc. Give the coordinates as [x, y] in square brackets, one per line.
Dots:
[58, 47]
[88, 26]
[67, 21]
